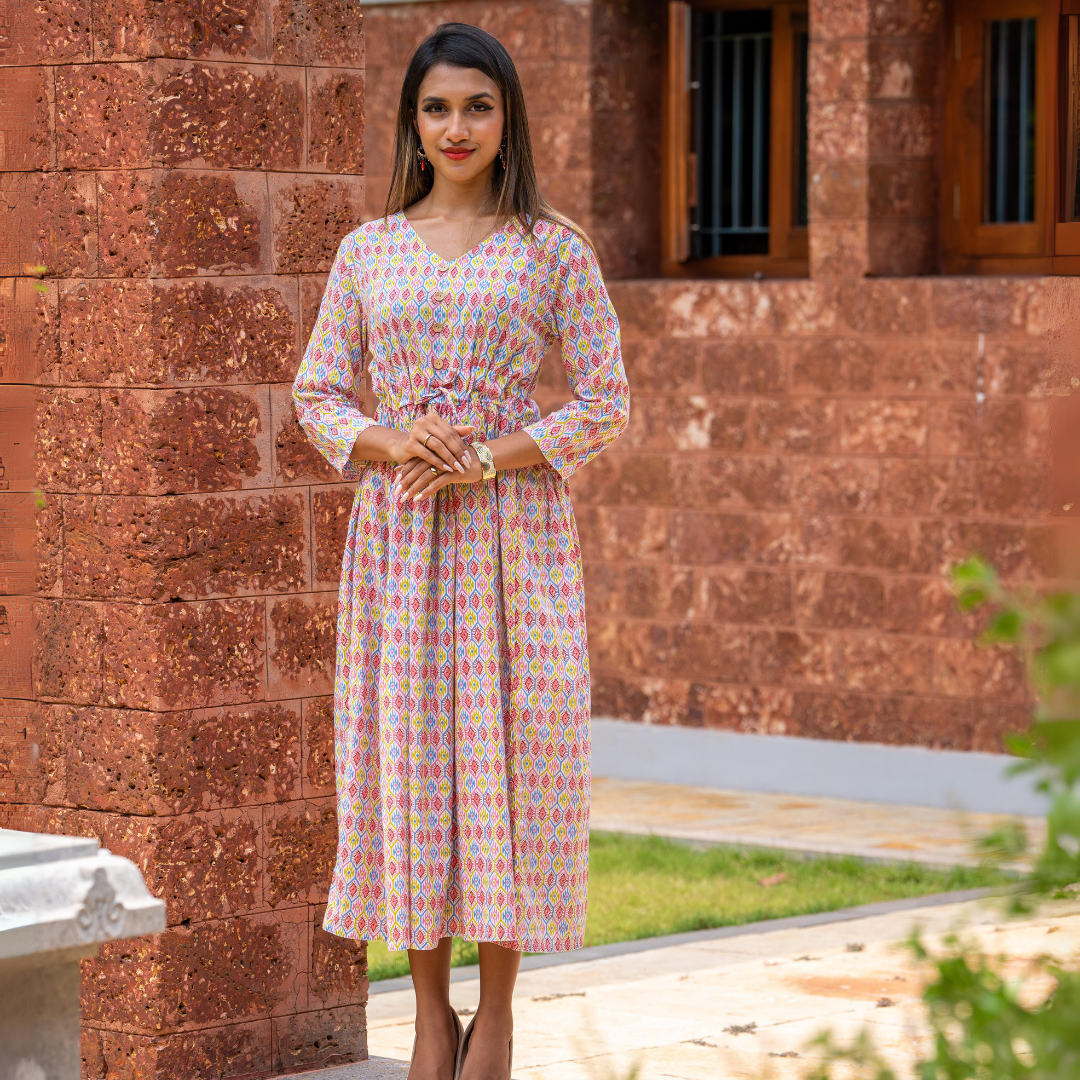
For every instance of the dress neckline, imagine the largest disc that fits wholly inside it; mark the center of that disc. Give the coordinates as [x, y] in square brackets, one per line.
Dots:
[465, 254]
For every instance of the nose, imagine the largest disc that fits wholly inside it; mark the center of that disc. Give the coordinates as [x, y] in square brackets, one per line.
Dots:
[458, 128]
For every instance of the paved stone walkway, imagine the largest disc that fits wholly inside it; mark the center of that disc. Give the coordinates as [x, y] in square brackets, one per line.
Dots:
[737, 1007]
[879, 831]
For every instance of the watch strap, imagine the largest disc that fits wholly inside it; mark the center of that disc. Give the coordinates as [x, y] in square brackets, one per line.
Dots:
[487, 462]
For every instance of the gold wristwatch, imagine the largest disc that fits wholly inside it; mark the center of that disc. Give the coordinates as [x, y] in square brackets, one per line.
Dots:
[487, 462]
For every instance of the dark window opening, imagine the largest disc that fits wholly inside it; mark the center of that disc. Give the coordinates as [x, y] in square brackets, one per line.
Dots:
[1010, 121]
[732, 57]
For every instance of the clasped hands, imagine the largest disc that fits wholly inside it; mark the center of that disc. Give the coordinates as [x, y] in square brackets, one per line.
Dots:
[430, 455]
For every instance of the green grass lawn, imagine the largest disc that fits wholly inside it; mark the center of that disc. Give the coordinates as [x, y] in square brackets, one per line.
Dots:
[645, 886]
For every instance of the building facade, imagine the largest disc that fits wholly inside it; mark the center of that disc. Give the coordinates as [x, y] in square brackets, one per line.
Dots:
[840, 241]
[840, 388]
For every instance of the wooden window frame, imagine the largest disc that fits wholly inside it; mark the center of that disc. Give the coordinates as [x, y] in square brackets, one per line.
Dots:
[788, 242]
[1046, 245]
[1066, 233]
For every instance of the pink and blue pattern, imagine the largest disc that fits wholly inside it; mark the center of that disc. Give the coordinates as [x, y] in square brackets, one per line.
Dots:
[461, 698]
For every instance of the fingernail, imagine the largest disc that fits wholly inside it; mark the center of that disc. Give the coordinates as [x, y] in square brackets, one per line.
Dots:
[468, 460]
[448, 468]
[460, 468]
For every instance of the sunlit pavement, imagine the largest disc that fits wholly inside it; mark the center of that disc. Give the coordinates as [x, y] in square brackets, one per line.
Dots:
[879, 831]
[742, 1006]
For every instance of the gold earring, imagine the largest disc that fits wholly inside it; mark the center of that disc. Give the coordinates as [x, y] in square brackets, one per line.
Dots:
[423, 158]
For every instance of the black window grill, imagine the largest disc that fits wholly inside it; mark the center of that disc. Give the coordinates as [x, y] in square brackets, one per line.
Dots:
[732, 58]
[1010, 121]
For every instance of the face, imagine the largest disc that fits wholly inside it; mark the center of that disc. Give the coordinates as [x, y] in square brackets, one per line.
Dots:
[460, 118]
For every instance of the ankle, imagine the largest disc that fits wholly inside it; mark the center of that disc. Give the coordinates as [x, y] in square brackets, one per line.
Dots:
[496, 1021]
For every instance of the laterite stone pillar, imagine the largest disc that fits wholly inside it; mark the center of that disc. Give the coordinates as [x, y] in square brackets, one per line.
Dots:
[873, 77]
[177, 178]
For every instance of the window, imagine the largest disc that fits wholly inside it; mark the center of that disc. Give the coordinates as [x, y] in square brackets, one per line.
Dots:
[735, 139]
[1011, 192]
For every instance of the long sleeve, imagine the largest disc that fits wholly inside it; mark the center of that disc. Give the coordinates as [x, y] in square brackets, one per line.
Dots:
[587, 328]
[329, 384]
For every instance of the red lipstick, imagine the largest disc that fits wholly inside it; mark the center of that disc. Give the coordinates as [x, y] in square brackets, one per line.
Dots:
[457, 153]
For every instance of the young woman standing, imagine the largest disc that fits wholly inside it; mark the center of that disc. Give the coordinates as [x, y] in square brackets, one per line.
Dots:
[461, 700]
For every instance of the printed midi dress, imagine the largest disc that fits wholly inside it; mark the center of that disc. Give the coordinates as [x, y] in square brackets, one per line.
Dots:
[461, 696]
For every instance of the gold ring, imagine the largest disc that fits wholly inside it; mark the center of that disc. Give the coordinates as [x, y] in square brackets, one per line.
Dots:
[434, 471]
[430, 433]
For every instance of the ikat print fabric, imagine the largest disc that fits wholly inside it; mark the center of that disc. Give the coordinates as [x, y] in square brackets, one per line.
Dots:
[461, 695]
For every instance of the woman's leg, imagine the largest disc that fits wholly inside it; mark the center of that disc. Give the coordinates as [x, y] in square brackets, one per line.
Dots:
[489, 1044]
[436, 1034]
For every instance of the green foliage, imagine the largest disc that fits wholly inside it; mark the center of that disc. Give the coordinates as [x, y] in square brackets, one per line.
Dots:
[982, 1027]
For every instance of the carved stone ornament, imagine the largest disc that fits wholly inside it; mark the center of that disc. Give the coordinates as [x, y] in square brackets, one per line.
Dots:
[100, 915]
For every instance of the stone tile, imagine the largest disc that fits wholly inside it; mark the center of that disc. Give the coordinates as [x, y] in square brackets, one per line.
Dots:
[185, 655]
[310, 216]
[159, 442]
[186, 547]
[301, 646]
[227, 116]
[335, 121]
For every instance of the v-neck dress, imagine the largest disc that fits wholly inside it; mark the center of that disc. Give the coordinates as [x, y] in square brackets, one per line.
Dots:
[461, 696]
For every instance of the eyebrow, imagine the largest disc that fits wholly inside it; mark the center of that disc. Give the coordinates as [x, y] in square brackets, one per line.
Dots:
[471, 97]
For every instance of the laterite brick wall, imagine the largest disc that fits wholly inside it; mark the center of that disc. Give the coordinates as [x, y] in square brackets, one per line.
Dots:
[766, 547]
[184, 175]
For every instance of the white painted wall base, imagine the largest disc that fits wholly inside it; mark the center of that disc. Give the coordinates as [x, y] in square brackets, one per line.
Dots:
[910, 775]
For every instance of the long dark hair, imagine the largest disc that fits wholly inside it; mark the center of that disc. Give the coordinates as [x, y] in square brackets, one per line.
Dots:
[514, 187]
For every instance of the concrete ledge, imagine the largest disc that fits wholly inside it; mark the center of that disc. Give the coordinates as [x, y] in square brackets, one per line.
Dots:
[783, 764]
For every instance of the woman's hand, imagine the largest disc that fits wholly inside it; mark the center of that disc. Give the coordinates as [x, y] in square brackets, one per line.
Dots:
[433, 440]
[416, 479]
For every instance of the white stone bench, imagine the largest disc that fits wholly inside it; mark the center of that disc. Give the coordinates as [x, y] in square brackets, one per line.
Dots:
[59, 897]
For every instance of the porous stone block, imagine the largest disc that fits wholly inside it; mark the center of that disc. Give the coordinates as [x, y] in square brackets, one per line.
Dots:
[296, 461]
[184, 655]
[319, 1040]
[133, 332]
[207, 974]
[210, 222]
[318, 768]
[331, 512]
[161, 442]
[54, 33]
[317, 31]
[102, 116]
[133, 761]
[68, 642]
[301, 842]
[228, 116]
[185, 547]
[137, 29]
[232, 1050]
[310, 216]
[26, 119]
[301, 642]
[336, 121]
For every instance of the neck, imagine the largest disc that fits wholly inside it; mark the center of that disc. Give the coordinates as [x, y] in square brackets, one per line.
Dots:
[462, 199]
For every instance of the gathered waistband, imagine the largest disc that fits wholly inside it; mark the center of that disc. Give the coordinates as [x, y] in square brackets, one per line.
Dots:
[490, 416]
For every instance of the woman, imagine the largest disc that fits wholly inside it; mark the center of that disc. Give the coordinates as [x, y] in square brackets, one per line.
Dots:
[461, 700]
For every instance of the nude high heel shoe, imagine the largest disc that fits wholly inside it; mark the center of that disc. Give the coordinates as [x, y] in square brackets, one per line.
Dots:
[460, 1044]
[463, 1047]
